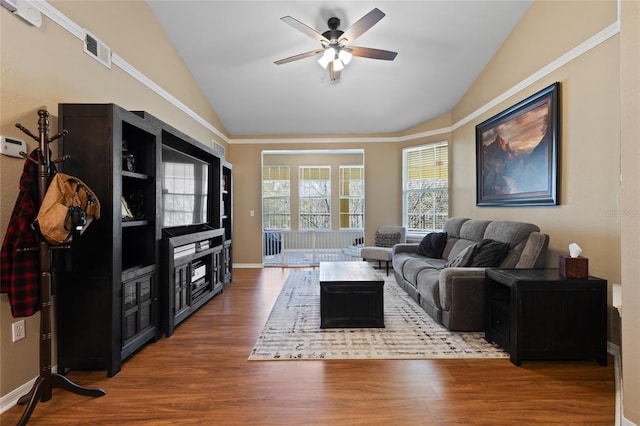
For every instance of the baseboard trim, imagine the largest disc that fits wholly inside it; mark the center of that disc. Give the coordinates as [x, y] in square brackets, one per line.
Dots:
[11, 399]
[248, 265]
[614, 350]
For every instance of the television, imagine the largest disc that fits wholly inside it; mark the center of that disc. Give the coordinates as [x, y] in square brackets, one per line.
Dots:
[186, 197]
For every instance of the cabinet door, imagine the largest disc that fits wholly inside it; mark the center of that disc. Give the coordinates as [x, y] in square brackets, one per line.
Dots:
[561, 323]
[138, 316]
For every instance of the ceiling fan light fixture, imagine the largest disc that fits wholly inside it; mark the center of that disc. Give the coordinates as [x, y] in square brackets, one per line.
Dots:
[324, 62]
[345, 56]
[338, 65]
[329, 53]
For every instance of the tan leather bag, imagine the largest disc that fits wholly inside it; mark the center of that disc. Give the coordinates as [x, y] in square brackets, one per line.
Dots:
[68, 207]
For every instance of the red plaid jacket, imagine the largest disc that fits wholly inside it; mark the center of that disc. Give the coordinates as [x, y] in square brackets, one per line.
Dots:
[19, 270]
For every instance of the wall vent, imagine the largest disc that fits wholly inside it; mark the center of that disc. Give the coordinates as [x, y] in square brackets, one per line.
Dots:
[218, 149]
[97, 49]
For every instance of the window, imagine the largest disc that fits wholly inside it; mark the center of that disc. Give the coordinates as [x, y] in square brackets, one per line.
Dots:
[276, 190]
[315, 197]
[351, 197]
[184, 193]
[425, 187]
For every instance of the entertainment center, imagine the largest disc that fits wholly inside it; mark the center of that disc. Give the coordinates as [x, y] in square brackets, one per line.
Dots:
[163, 245]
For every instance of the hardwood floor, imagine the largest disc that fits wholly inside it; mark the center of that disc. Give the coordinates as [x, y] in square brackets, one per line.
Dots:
[201, 376]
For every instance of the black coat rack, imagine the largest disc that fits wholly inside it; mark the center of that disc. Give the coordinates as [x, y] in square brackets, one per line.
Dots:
[46, 381]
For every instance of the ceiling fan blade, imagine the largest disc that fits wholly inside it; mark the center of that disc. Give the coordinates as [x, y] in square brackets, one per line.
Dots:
[305, 29]
[367, 52]
[333, 74]
[297, 57]
[358, 28]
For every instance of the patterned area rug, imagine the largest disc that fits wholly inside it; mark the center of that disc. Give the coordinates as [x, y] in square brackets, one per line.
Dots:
[293, 330]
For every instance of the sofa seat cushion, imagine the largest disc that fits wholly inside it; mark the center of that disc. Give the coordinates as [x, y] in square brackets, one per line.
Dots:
[399, 259]
[428, 281]
[413, 267]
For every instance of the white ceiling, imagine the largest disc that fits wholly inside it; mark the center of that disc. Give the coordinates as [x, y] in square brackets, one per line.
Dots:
[230, 47]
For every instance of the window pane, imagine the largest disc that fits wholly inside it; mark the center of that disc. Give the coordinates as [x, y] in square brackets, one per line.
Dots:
[351, 197]
[426, 187]
[315, 197]
[276, 188]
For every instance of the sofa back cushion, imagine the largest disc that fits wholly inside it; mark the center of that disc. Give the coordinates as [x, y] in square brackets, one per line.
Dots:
[452, 226]
[471, 231]
[509, 232]
[524, 252]
[474, 229]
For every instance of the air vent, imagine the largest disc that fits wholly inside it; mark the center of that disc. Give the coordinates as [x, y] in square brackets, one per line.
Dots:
[97, 50]
[218, 149]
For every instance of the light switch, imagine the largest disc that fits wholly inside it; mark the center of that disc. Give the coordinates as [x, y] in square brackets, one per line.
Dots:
[252, 213]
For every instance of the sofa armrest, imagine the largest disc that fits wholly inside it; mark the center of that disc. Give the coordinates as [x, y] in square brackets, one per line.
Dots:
[534, 254]
[461, 292]
[404, 248]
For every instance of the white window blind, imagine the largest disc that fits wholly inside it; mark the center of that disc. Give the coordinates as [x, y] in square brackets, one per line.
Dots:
[426, 187]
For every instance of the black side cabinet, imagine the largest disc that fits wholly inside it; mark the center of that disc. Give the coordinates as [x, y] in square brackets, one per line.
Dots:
[107, 294]
[536, 314]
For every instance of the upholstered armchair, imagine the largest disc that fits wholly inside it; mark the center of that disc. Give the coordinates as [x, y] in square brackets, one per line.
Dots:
[385, 238]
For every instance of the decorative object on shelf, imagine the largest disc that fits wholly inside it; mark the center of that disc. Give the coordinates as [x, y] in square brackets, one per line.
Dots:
[517, 153]
[135, 201]
[574, 265]
[126, 211]
[128, 159]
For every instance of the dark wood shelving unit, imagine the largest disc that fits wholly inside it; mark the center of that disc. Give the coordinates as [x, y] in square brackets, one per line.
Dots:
[227, 219]
[115, 263]
[116, 295]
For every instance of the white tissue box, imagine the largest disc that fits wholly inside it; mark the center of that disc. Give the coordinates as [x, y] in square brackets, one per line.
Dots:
[574, 267]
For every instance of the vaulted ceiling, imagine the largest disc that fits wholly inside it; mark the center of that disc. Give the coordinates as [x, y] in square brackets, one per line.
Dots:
[230, 48]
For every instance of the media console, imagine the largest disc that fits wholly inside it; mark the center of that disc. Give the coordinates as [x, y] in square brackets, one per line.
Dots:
[193, 273]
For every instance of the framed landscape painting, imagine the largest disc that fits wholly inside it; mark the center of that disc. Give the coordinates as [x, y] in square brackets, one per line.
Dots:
[517, 153]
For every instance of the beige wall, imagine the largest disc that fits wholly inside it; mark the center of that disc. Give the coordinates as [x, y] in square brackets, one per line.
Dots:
[593, 85]
[630, 210]
[41, 67]
[589, 166]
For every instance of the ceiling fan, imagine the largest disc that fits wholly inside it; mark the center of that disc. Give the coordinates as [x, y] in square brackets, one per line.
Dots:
[336, 44]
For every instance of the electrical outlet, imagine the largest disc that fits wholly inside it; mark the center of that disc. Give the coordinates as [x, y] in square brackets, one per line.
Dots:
[18, 330]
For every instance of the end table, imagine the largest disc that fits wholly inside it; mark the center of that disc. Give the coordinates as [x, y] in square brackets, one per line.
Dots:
[536, 314]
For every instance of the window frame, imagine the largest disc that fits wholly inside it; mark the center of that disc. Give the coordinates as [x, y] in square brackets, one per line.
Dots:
[440, 173]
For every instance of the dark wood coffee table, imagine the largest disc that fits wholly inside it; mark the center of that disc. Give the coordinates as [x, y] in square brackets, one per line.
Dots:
[351, 295]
